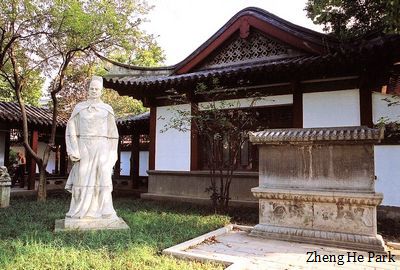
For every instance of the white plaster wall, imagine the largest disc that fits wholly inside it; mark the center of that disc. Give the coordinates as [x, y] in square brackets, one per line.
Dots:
[387, 171]
[248, 102]
[380, 108]
[143, 163]
[172, 145]
[51, 165]
[331, 109]
[126, 163]
[2, 147]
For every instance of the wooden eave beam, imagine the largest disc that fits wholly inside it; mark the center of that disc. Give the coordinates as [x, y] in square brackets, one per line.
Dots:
[283, 88]
[331, 67]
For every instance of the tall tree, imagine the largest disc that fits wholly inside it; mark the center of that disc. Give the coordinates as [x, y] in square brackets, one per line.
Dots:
[19, 20]
[350, 18]
[71, 30]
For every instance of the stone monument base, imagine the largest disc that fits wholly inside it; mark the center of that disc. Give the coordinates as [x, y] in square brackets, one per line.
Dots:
[339, 219]
[86, 224]
[318, 237]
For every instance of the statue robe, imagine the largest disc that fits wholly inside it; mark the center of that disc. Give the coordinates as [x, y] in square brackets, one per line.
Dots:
[92, 142]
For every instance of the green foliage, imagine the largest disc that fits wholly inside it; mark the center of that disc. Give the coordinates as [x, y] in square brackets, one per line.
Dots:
[147, 54]
[27, 240]
[13, 156]
[75, 90]
[31, 93]
[122, 105]
[349, 18]
[108, 27]
[20, 20]
[46, 37]
[21, 29]
[6, 94]
[99, 25]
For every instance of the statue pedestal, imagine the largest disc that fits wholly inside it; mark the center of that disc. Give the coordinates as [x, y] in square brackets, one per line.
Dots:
[86, 224]
[317, 186]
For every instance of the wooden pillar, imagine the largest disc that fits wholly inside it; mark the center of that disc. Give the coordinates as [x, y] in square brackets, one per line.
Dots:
[7, 150]
[297, 105]
[117, 166]
[366, 106]
[367, 82]
[135, 148]
[57, 156]
[63, 159]
[32, 168]
[194, 141]
[152, 146]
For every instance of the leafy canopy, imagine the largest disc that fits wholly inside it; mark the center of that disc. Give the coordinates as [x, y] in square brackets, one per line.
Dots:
[31, 94]
[107, 27]
[350, 18]
[22, 26]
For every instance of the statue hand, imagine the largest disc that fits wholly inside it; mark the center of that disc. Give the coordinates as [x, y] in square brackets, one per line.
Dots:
[68, 188]
[74, 159]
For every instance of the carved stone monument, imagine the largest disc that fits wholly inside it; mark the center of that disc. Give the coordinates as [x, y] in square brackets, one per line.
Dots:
[316, 185]
[92, 140]
[5, 187]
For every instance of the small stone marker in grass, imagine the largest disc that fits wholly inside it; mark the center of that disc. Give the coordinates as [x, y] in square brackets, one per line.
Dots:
[5, 187]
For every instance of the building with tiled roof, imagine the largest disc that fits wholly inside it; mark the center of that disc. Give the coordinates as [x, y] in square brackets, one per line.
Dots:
[304, 79]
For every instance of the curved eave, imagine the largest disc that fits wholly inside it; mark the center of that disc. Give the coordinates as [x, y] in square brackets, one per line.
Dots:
[159, 87]
[305, 39]
[133, 67]
[300, 37]
[377, 52]
[10, 113]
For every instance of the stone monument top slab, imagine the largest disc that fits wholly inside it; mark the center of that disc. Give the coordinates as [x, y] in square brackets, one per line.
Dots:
[357, 134]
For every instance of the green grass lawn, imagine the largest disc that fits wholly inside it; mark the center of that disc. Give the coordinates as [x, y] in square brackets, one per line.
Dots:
[27, 240]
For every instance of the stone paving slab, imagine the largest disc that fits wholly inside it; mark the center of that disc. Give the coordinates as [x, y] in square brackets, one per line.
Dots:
[233, 247]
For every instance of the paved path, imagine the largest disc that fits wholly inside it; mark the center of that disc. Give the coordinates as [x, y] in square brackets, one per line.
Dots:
[254, 253]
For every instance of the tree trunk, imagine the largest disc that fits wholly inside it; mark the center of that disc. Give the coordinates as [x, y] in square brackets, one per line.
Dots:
[42, 194]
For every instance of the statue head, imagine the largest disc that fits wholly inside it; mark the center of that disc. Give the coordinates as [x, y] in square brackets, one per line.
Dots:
[95, 87]
[4, 176]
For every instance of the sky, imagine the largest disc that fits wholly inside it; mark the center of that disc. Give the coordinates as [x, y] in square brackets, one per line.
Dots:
[181, 26]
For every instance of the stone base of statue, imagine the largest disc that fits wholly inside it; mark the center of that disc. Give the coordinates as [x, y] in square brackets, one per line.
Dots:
[86, 224]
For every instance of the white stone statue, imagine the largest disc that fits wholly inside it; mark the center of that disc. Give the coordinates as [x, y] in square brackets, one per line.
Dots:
[92, 144]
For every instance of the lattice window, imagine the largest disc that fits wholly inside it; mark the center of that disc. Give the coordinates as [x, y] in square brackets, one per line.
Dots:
[126, 142]
[255, 46]
[144, 139]
[16, 136]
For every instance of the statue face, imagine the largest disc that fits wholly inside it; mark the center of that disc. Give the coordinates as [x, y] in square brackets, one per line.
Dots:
[95, 89]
